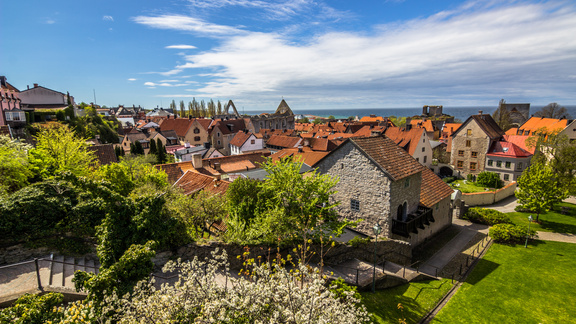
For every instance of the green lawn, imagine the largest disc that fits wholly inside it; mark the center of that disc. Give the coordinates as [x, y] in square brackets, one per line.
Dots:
[512, 284]
[417, 298]
[467, 187]
[552, 221]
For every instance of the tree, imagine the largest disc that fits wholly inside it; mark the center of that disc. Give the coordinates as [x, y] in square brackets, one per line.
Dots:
[198, 211]
[59, 150]
[331, 117]
[538, 189]
[153, 149]
[161, 154]
[303, 120]
[182, 106]
[138, 149]
[553, 110]
[488, 179]
[502, 116]
[317, 121]
[14, 168]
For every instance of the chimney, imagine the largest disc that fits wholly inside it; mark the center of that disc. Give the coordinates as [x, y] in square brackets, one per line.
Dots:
[479, 112]
[375, 133]
[197, 161]
[217, 166]
[35, 85]
[187, 145]
[300, 149]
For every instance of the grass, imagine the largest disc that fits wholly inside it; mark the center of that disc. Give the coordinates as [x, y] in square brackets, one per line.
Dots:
[468, 186]
[512, 284]
[417, 299]
[552, 221]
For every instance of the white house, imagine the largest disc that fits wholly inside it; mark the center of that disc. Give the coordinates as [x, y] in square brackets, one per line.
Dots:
[245, 142]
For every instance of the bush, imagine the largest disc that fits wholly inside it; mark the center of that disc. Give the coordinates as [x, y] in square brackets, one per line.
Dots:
[449, 179]
[489, 179]
[486, 216]
[471, 177]
[357, 241]
[510, 233]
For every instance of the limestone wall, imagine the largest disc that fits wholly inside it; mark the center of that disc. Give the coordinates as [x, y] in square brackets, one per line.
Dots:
[489, 197]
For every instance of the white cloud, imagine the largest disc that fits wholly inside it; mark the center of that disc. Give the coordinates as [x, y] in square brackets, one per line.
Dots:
[49, 21]
[181, 47]
[132, 79]
[189, 24]
[165, 83]
[108, 18]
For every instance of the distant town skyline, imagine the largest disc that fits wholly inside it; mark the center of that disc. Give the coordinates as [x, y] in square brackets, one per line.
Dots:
[314, 54]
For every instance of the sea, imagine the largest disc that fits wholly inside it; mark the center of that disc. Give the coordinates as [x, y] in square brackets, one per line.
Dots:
[459, 113]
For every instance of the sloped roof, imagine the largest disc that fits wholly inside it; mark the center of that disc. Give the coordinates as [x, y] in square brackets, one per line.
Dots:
[389, 157]
[339, 136]
[173, 171]
[536, 123]
[283, 109]
[520, 141]
[240, 138]
[136, 136]
[433, 189]
[192, 182]
[5, 130]
[426, 124]
[372, 119]
[229, 126]
[321, 144]
[367, 130]
[303, 127]
[507, 149]
[512, 131]
[204, 122]
[486, 123]
[104, 153]
[406, 139]
[283, 141]
[450, 128]
[307, 156]
[179, 125]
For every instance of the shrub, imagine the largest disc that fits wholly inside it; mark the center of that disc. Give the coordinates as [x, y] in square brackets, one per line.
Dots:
[486, 216]
[510, 233]
[489, 179]
[471, 177]
[449, 179]
[357, 241]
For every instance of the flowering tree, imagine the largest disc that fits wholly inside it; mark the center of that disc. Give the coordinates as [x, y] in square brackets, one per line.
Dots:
[265, 294]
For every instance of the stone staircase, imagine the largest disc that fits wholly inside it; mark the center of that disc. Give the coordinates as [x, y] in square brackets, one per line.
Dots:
[53, 273]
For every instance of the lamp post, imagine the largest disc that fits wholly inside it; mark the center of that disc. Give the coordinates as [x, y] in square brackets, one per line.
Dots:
[528, 234]
[377, 230]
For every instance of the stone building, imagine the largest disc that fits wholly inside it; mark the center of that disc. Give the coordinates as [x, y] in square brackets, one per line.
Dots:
[519, 112]
[381, 183]
[282, 118]
[471, 142]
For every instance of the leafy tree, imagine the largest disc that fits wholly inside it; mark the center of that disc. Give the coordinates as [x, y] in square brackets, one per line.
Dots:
[161, 154]
[59, 150]
[33, 309]
[331, 117]
[304, 120]
[553, 110]
[198, 211]
[14, 168]
[502, 116]
[350, 118]
[489, 179]
[182, 106]
[538, 190]
[153, 149]
[317, 120]
[138, 149]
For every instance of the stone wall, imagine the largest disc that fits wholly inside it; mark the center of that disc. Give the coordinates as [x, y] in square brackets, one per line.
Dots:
[489, 197]
[401, 193]
[20, 253]
[442, 219]
[480, 143]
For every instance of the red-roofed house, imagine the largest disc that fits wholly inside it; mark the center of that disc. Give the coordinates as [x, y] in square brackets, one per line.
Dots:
[222, 131]
[381, 183]
[278, 142]
[245, 142]
[414, 141]
[508, 160]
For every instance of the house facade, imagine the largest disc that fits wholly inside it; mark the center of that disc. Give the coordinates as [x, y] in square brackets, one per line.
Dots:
[415, 141]
[11, 113]
[245, 142]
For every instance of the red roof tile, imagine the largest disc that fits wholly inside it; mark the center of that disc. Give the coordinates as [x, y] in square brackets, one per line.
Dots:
[192, 182]
[538, 123]
[104, 153]
[433, 189]
[406, 139]
[172, 170]
[283, 141]
[179, 125]
[520, 141]
[307, 156]
[507, 149]
[240, 138]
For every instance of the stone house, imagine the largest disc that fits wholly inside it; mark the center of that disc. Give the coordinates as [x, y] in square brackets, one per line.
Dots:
[471, 142]
[381, 183]
[222, 131]
[414, 141]
[282, 118]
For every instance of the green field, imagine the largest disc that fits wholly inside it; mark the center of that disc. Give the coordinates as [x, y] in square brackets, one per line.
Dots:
[512, 284]
[417, 298]
[552, 221]
[468, 187]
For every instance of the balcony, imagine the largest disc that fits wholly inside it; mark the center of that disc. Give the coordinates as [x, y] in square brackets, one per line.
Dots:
[417, 220]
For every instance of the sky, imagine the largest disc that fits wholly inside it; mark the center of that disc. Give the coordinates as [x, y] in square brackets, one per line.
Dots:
[313, 54]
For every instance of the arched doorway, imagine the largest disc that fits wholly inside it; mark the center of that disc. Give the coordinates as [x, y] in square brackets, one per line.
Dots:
[446, 172]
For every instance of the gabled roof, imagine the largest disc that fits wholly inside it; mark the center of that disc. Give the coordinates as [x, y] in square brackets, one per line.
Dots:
[283, 109]
[450, 128]
[136, 136]
[229, 126]
[486, 123]
[507, 149]
[433, 189]
[173, 171]
[512, 131]
[204, 122]
[192, 182]
[367, 130]
[426, 124]
[406, 139]
[321, 144]
[179, 125]
[283, 141]
[520, 141]
[240, 138]
[5, 130]
[104, 153]
[307, 156]
[38, 87]
[537, 123]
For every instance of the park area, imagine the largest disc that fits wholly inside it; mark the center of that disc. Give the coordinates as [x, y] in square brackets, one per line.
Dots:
[513, 284]
[560, 220]
[466, 186]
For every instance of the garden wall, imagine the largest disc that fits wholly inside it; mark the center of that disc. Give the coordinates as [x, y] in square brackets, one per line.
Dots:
[489, 197]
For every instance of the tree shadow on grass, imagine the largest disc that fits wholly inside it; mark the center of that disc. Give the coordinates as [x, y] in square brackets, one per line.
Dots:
[558, 227]
[482, 270]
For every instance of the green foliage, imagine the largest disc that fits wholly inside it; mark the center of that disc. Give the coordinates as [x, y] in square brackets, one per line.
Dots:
[14, 168]
[538, 189]
[510, 233]
[161, 157]
[138, 149]
[33, 309]
[502, 116]
[448, 179]
[59, 150]
[470, 177]
[92, 124]
[304, 120]
[196, 211]
[486, 216]
[342, 290]
[331, 117]
[153, 149]
[317, 121]
[358, 241]
[489, 179]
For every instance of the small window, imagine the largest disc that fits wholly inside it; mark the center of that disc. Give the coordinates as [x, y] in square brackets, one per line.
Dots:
[519, 166]
[424, 140]
[490, 162]
[218, 134]
[423, 149]
[472, 165]
[407, 183]
[354, 205]
[468, 143]
[460, 164]
[468, 132]
[196, 130]
[526, 133]
[252, 141]
[197, 138]
[506, 177]
[460, 153]
[508, 165]
[425, 158]
[499, 164]
[417, 159]
[474, 154]
[218, 142]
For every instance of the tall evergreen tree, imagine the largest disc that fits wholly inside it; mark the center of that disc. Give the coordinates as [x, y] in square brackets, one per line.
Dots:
[203, 111]
[138, 148]
[132, 149]
[182, 106]
[190, 109]
[161, 154]
[153, 149]
[173, 105]
[219, 108]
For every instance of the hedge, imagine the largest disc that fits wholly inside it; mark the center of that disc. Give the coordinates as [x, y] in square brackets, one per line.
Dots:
[510, 233]
[486, 216]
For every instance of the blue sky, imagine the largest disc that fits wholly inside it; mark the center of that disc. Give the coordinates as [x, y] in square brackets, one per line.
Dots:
[314, 54]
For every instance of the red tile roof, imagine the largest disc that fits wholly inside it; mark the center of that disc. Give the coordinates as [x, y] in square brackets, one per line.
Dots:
[512, 131]
[240, 138]
[406, 139]
[538, 123]
[371, 119]
[192, 182]
[391, 159]
[426, 124]
[520, 141]
[433, 189]
[507, 149]
[172, 170]
[104, 153]
[307, 156]
[228, 126]
[283, 141]
[204, 122]
[179, 125]
[320, 144]
[366, 131]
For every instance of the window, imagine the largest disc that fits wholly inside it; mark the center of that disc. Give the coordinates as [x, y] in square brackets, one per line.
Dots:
[425, 158]
[252, 141]
[424, 139]
[423, 149]
[197, 138]
[499, 164]
[472, 165]
[460, 153]
[218, 142]
[218, 134]
[506, 177]
[526, 133]
[407, 183]
[508, 165]
[417, 159]
[490, 162]
[196, 130]
[519, 166]
[468, 132]
[474, 154]
[354, 205]
[460, 164]
[468, 143]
